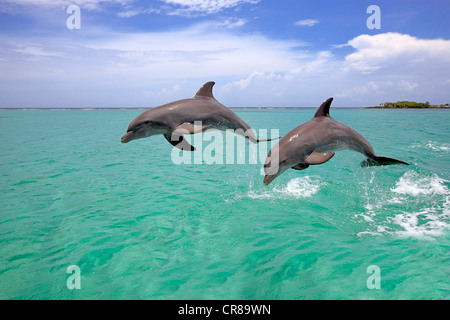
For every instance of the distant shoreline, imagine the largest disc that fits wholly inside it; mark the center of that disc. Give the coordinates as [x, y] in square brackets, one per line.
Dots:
[397, 108]
[410, 105]
[427, 108]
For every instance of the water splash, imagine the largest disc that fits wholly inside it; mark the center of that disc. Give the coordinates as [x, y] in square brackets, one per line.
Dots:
[432, 145]
[297, 188]
[426, 199]
[414, 184]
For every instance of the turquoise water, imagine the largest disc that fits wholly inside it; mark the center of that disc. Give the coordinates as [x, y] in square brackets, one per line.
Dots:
[139, 226]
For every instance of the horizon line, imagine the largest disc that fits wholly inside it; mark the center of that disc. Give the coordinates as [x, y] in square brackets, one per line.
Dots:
[146, 108]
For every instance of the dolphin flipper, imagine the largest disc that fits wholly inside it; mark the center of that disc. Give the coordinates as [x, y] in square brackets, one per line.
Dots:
[313, 159]
[189, 128]
[381, 161]
[177, 140]
[318, 158]
[300, 166]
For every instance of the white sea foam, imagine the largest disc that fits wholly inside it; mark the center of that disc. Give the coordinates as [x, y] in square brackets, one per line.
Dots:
[438, 147]
[412, 183]
[424, 213]
[302, 187]
[427, 223]
[259, 195]
[432, 145]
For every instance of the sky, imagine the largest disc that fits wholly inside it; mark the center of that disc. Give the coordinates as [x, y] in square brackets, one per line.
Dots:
[260, 53]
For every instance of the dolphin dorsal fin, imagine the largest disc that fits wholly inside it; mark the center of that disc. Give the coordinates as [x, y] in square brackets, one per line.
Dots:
[206, 90]
[324, 109]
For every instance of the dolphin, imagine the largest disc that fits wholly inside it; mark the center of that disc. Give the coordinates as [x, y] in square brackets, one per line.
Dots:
[188, 116]
[313, 143]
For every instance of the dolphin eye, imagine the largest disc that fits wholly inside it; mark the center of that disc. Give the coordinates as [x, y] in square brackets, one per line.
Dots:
[147, 122]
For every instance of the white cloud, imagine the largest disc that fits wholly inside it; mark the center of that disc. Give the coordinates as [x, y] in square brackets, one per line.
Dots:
[129, 13]
[400, 67]
[321, 59]
[233, 23]
[360, 92]
[407, 86]
[36, 51]
[388, 50]
[136, 11]
[84, 4]
[242, 84]
[140, 63]
[307, 22]
[189, 7]
[201, 50]
[151, 68]
[383, 67]
[164, 91]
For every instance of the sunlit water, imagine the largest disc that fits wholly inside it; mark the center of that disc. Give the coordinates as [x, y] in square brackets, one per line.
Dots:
[139, 226]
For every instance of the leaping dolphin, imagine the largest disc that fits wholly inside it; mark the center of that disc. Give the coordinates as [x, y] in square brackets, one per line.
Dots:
[313, 143]
[188, 116]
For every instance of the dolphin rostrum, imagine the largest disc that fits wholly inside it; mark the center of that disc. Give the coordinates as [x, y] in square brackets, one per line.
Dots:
[313, 143]
[188, 116]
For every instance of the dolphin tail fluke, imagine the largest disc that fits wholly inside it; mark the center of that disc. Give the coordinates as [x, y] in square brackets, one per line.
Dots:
[381, 161]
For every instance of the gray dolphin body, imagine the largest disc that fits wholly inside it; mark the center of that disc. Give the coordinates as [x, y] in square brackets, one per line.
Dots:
[188, 116]
[313, 143]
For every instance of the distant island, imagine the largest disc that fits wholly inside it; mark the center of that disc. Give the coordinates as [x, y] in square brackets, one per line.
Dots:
[410, 105]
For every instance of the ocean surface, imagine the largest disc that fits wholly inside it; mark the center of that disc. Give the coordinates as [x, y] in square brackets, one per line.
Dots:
[138, 224]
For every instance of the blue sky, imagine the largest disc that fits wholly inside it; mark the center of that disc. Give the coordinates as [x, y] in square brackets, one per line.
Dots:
[260, 53]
